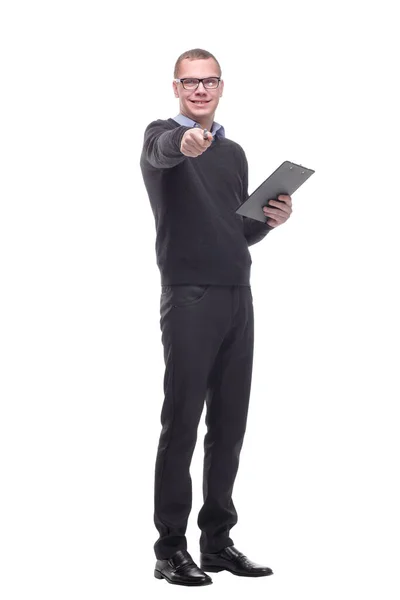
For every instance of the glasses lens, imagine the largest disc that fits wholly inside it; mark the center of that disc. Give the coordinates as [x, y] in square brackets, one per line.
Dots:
[211, 82]
[190, 84]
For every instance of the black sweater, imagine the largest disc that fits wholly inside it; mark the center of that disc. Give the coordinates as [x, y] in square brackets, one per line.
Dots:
[199, 238]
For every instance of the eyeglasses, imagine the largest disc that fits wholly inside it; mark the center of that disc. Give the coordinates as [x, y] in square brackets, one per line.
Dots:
[192, 83]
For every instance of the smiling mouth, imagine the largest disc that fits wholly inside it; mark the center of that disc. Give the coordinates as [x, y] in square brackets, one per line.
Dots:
[200, 102]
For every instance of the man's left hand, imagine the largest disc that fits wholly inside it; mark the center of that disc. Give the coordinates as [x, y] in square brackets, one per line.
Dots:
[278, 212]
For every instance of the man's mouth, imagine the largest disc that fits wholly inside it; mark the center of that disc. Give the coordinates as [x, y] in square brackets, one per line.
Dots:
[201, 102]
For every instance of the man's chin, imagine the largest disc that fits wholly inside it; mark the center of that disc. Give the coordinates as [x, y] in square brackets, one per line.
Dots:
[196, 112]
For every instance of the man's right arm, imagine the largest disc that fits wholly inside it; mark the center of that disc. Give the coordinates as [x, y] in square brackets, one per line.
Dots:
[161, 147]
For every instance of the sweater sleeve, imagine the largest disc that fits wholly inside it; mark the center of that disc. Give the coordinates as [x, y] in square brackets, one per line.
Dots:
[254, 231]
[161, 146]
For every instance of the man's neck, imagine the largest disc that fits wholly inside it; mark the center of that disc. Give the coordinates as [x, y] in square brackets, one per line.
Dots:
[206, 123]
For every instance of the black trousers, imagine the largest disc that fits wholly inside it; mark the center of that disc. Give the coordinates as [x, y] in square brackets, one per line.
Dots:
[208, 338]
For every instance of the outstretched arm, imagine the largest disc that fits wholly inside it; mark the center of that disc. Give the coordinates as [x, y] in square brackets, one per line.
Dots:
[161, 147]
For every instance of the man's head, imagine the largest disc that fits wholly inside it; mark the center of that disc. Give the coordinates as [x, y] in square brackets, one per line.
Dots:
[198, 64]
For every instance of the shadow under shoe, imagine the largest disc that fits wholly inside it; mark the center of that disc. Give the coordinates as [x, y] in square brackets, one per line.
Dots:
[181, 569]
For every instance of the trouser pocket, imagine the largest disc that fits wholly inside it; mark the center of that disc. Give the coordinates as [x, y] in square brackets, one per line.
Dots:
[182, 296]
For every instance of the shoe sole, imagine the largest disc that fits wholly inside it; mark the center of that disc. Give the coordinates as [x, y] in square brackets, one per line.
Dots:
[159, 575]
[218, 569]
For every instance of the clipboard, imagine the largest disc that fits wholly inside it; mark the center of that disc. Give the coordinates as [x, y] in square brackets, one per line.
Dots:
[287, 178]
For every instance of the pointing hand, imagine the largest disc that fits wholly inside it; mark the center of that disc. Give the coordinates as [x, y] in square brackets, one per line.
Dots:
[193, 143]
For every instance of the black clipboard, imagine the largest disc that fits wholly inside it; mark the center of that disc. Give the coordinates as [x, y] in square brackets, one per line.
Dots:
[287, 178]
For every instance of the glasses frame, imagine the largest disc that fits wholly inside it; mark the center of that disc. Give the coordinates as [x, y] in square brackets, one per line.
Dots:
[200, 81]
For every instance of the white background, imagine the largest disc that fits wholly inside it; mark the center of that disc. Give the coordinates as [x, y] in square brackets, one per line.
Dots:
[82, 361]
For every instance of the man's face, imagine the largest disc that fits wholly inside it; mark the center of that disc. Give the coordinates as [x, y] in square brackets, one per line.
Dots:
[198, 69]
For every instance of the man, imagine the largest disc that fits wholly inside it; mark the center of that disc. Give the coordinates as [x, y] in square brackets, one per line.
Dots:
[194, 187]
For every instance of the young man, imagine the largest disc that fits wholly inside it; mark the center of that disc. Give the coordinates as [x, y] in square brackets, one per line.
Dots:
[195, 181]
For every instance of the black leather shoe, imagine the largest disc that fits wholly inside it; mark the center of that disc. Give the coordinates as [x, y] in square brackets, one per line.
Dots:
[230, 559]
[181, 570]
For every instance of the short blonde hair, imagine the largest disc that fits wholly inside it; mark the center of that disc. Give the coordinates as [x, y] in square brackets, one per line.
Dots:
[194, 54]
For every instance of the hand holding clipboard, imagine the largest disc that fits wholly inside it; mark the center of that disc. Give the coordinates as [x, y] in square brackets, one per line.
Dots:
[287, 178]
